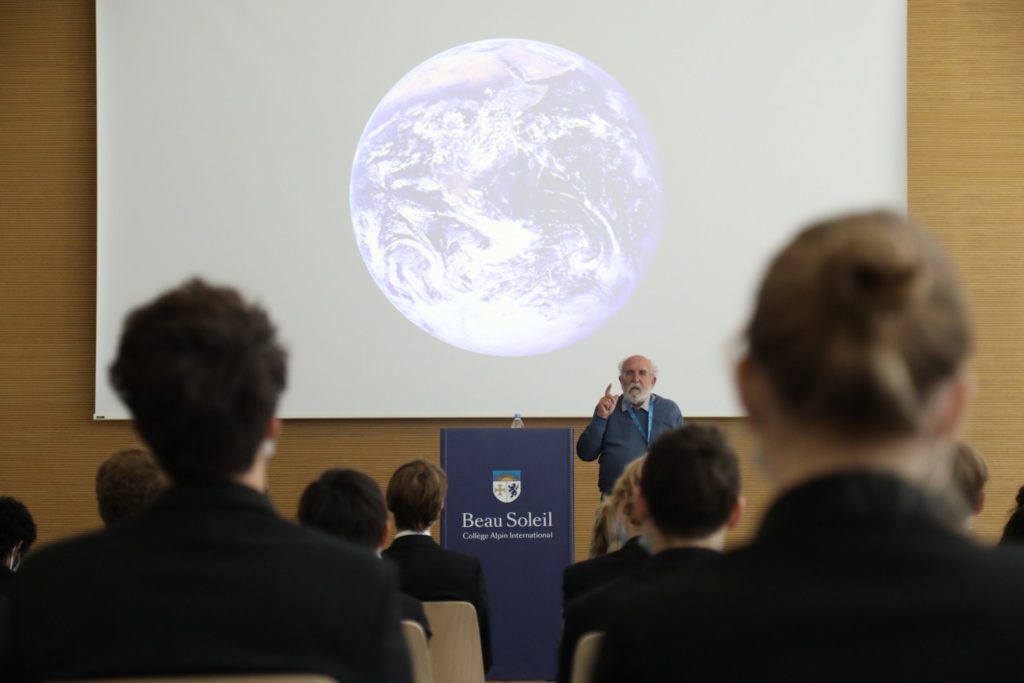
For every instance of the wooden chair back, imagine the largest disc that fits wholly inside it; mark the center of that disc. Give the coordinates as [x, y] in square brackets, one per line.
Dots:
[455, 643]
[419, 654]
[585, 657]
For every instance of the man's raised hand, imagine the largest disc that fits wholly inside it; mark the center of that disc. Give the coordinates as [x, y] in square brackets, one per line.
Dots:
[607, 403]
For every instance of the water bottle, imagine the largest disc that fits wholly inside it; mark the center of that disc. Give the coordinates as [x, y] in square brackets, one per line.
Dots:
[517, 422]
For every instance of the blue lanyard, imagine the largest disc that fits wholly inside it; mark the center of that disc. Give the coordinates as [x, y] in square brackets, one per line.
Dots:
[650, 419]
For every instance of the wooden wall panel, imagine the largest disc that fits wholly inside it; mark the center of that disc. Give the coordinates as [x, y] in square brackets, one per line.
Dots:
[966, 151]
[965, 112]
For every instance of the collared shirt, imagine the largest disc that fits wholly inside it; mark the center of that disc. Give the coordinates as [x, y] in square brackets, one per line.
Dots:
[624, 404]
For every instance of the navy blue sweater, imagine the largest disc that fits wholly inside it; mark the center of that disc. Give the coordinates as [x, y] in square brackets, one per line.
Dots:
[618, 442]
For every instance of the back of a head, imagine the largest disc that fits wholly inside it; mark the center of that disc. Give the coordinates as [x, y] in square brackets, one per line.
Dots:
[347, 504]
[201, 371]
[624, 492]
[857, 321]
[1013, 532]
[127, 483]
[415, 494]
[603, 537]
[691, 481]
[16, 526]
[969, 476]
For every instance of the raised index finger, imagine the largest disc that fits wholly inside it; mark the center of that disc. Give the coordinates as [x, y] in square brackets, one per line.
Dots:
[608, 392]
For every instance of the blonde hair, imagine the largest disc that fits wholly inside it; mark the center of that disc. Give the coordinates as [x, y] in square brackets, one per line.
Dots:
[624, 492]
[857, 321]
[605, 538]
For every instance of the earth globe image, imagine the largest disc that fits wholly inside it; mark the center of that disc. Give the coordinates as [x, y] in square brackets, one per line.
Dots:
[506, 197]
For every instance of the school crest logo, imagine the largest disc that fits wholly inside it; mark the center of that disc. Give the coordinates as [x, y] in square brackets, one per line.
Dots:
[507, 484]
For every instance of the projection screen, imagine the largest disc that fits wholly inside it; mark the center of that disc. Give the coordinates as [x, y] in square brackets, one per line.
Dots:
[474, 209]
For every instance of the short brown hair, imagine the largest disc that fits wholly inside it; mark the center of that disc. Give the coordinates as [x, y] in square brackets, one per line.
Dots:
[969, 474]
[857, 321]
[201, 371]
[416, 493]
[691, 481]
[127, 483]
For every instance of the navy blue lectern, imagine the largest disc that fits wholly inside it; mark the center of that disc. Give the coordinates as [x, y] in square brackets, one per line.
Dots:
[510, 504]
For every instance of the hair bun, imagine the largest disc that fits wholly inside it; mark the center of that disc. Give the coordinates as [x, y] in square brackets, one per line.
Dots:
[876, 271]
[1020, 496]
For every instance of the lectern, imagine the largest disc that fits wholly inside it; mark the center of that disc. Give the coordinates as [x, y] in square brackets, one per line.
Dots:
[510, 504]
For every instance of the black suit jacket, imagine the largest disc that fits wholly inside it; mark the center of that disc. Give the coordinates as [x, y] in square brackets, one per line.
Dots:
[429, 572]
[587, 575]
[409, 608]
[207, 580]
[850, 578]
[595, 610]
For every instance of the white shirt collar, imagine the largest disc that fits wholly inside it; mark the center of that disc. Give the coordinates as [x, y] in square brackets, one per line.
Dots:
[425, 532]
[645, 405]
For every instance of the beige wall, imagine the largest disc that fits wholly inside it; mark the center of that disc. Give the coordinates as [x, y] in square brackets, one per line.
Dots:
[966, 153]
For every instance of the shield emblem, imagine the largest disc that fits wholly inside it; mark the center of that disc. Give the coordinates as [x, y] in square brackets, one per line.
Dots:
[507, 484]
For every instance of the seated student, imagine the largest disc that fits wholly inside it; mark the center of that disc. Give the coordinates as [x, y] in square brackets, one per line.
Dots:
[348, 504]
[127, 483]
[426, 571]
[1013, 531]
[209, 579]
[604, 537]
[687, 499]
[17, 534]
[589, 574]
[854, 380]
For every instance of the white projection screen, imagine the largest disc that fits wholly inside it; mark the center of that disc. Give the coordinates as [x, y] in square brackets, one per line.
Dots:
[471, 209]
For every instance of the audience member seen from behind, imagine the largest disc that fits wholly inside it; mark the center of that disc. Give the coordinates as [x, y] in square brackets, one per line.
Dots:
[604, 537]
[631, 555]
[1013, 532]
[348, 504]
[17, 534]
[853, 377]
[208, 579]
[687, 500]
[127, 483]
[426, 571]
[969, 474]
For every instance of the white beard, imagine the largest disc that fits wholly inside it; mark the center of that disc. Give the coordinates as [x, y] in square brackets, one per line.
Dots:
[637, 398]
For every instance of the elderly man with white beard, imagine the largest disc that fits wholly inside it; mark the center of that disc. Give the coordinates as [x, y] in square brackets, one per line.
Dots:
[624, 425]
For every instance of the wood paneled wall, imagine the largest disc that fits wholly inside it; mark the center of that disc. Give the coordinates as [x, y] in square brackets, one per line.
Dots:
[966, 177]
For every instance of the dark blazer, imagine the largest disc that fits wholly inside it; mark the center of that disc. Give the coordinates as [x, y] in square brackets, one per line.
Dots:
[6, 577]
[429, 572]
[850, 578]
[411, 609]
[207, 580]
[587, 575]
[594, 610]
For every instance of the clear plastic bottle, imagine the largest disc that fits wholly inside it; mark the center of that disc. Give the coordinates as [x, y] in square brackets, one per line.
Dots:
[517, 422]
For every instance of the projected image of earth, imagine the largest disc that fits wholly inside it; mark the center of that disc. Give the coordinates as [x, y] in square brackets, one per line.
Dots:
[506, 197]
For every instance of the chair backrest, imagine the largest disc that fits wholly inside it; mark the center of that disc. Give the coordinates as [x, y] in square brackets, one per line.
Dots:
[455, 642]
[585, 657]
[419, 655]
[228, 678]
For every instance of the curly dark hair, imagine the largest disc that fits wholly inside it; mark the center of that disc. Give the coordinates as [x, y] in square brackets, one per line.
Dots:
[201, 371]
[691, 481]
[16, 526]
[126, 483]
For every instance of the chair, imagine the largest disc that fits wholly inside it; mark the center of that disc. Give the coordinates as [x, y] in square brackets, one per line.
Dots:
[419, 654]
[228, 678]
[585, 657]
[455, 643]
